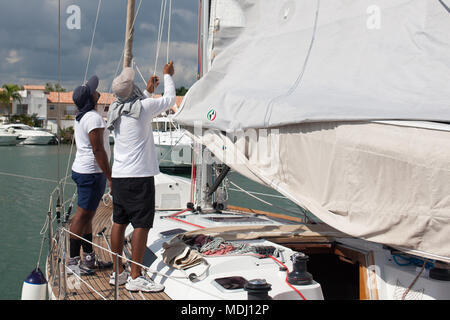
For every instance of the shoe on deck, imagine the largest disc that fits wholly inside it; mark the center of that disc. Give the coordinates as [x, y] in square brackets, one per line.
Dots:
[74, 266]
[123, 277]
[143, 284]
[91, 261]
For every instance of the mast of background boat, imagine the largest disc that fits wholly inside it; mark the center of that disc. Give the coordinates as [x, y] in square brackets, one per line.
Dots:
[128, 49]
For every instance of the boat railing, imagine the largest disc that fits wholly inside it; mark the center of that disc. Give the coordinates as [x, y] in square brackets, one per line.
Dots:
[58, 257]
[58, 266]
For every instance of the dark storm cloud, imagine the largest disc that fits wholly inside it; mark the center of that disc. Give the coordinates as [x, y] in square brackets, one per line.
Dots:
[28, 33]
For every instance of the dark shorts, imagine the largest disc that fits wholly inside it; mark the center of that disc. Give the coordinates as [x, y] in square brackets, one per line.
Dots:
[134, 201]
[90, 187]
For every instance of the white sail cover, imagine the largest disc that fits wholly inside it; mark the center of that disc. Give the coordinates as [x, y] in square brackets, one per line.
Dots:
[318, 73]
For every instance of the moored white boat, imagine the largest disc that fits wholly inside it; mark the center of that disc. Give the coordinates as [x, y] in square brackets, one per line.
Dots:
[30, 135]
[9, 138]
[173, 146]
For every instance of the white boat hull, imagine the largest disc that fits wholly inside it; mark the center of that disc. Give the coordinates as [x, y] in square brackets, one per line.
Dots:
[9, 140]
[174, 156]
[37, 140]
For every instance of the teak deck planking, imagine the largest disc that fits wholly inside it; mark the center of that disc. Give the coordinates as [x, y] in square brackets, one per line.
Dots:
[100, 280]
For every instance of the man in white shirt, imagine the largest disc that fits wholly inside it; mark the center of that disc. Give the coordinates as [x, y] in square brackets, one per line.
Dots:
[135, 165]
[90, 171]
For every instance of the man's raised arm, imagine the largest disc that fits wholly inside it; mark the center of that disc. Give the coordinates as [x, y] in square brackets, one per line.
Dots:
[160, 105]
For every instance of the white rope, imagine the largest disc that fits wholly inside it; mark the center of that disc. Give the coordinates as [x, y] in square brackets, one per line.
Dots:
[27, 177]
[87, 284]
[42, 233]
[261, 194]
[263, 201]
[162, 15]
[170, 150]
[168, 29]
[68, 163]
[302, 72]
[139, 71]
[251, 195]
[92, 40]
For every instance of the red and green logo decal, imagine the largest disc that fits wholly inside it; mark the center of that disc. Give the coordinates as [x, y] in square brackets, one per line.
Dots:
[211, 115]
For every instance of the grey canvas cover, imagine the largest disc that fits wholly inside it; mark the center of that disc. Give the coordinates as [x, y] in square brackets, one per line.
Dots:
[278, 62]
[319, 73]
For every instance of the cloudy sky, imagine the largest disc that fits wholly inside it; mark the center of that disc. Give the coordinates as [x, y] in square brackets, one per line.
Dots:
[28, 36]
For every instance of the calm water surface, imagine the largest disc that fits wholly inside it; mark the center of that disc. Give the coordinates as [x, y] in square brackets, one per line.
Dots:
[24, 201]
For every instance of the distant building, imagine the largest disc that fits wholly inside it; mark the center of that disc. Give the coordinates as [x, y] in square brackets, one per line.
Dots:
[36, 100]
[69, 109]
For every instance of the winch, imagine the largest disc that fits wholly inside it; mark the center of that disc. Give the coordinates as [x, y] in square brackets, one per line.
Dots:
[300, 275]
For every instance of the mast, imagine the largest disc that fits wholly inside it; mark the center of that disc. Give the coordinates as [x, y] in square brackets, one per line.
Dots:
[128, 49]
[204, 176]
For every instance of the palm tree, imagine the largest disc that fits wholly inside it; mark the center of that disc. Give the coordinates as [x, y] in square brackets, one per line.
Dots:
[9, 94]
[56, 88]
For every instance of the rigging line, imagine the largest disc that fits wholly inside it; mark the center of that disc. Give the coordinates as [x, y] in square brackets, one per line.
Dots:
[261, 194]
[302, 72]
[168, 29]
[68, 160]
[405, 293]
[86, 283]
[92, 40]
[84, 81]
[445, 6]
[110, 89]
[300, 77]
[139, 71]
[263, 201]
[42, 233]
[162, 15]
[27, 177]
[173, 146]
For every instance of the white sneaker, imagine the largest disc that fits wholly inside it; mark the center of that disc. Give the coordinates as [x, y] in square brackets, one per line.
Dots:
[123, 277]
[143, 284]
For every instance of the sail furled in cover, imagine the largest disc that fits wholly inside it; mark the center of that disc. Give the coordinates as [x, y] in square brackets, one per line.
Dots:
[317, 74]
[278, 64]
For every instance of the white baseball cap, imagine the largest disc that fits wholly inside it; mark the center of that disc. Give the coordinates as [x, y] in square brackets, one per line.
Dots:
[122, 85]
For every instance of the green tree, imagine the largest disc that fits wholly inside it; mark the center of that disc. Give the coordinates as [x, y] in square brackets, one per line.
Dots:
[9, 94]
[66, 134]
[32, 121]
[54, 88]
[181, 91]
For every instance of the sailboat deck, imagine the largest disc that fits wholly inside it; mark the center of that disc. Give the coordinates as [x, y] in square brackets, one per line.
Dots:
[97, 286]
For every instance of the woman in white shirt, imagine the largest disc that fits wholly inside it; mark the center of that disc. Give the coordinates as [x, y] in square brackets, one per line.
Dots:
[90, 171]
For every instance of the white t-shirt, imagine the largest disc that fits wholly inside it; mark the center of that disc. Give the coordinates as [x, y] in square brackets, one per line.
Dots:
[134, 148]
[85, 160]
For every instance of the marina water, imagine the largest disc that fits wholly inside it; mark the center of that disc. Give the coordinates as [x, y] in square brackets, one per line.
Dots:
[28, 175]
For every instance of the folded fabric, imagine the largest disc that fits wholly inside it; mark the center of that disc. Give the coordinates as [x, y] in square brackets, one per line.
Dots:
[179, 255]
[130, 106]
